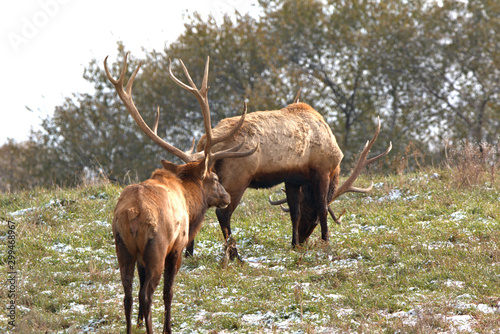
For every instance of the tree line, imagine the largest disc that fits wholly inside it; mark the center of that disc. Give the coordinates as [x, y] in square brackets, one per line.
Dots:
[429, 69]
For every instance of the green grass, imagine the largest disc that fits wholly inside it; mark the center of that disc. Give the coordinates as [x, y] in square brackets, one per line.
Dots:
[417, 255]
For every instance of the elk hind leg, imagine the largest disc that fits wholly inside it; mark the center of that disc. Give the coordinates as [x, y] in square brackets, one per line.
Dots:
[141, 270]
[126, 261]
[153, 263]
[172, 265]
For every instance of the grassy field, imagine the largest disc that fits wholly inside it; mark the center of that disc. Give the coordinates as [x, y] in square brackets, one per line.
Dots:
[420, 254]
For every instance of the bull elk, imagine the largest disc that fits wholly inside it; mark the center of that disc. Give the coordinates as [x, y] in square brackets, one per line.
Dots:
[297, 147]
[154, 220]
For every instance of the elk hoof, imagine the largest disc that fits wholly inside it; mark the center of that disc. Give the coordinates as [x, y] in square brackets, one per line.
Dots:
[231, 250]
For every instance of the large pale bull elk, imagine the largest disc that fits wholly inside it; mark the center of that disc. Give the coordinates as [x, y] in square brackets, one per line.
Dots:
[154, 220]
[297, 147]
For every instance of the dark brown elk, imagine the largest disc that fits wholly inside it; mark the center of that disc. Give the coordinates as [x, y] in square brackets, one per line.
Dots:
[154, 220]
[297, 147]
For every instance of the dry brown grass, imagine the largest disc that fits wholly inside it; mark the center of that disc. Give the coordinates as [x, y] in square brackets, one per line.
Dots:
[472, 164]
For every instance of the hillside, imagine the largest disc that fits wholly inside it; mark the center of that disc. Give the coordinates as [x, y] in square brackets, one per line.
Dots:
[420, 254]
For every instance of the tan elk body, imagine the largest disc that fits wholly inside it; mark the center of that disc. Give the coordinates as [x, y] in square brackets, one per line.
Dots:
[154, 220]
[297, 147]
[293, 140]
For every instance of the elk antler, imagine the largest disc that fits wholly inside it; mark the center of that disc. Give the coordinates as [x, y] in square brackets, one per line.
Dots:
[126, 97]
[347, 186]
[297, 97]
[202, 97]
[282, 201]
[279, 202]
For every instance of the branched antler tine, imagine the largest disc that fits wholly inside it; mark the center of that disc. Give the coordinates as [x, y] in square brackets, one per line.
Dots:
[369, 161]
[126, 97]
[277, 202]
[177, 81]
[347, 186]
[232, 153]
[130, 82]
[361, 190]
[201, 96]
[204, 84]
[335, 219]
[186, 73]
[297, 97]
[157, 120]
[191, 149]
[233, 131]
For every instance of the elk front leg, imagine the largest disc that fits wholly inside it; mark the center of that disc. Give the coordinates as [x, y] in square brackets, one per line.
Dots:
[224, 217]
[293, 201]
[308, 213]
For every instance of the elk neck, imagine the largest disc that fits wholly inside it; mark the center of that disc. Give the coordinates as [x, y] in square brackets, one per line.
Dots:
[192, 190]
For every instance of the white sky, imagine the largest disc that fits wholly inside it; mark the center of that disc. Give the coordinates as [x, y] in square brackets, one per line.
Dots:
[46, 44]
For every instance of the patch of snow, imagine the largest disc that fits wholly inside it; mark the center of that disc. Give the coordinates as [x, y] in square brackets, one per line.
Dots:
[334, 296]
[411, 198]
[345, 263]
[343, 312]
[454, 284]
[424, 224]
[465, 296]
[75, 308]
[101, 223]
[487, 309]
[22, 211]
[458, 215]
[22, 308]
[462, 322]
[61, 248]
[393, 195]
[201, 315]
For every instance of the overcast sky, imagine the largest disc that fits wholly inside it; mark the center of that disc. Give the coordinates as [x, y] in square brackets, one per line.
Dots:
[46, 44]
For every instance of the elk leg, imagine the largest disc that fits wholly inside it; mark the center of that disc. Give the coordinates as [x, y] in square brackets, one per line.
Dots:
[172, 265]
[224, 217]
[320, 194]
[154, 261]
[127, 265]
[293, 198]
[189, 249]
[308, 213]
[141, 270]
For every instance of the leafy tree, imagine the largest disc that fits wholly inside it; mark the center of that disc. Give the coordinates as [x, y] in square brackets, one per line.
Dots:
[460, 68]
[429, 69]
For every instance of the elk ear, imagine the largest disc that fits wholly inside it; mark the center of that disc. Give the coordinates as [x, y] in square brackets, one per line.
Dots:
[202, 169]
[170, 166]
